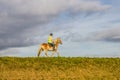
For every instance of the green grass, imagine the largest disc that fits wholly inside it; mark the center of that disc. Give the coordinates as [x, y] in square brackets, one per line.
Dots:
[59, 68]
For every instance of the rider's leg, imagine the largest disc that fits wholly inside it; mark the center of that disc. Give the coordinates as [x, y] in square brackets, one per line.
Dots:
[53, 46]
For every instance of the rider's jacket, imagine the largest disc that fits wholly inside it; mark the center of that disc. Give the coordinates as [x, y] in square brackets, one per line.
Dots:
[50, 39]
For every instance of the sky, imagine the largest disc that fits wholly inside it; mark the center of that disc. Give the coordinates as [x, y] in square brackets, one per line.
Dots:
[88, 28]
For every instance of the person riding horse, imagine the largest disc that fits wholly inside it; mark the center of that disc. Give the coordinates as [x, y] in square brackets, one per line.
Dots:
[50, 41]
[46, 47]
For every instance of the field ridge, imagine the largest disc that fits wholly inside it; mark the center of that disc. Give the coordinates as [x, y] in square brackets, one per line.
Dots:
[59, 68]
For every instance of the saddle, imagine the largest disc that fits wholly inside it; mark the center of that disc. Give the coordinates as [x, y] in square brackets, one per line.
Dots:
[51, 46]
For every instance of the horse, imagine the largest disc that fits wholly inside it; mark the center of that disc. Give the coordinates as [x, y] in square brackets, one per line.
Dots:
[47, 47]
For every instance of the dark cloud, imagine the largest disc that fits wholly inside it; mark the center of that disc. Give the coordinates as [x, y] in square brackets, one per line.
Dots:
[112, 39]
[21, 21]
[110, 35]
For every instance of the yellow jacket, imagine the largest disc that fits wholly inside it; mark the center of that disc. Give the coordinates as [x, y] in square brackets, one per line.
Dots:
[50, 39]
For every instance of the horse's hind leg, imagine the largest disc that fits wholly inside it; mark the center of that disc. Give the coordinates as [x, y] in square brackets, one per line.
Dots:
[46, 53]
[39, 52]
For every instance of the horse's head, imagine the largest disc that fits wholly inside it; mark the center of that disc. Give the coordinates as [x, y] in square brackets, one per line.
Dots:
[58, 40]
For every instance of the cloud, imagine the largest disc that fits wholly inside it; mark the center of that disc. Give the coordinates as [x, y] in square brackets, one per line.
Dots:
[9, 52]
[72, 36]
[21, 21]
[108, 35]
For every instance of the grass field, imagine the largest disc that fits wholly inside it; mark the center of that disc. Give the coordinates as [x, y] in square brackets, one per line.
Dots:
[61, 68]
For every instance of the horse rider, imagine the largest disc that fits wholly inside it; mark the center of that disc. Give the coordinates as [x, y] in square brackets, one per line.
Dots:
[50, 41]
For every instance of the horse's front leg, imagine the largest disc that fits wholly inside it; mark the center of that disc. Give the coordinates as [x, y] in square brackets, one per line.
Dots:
[53, 52]
[58, 54]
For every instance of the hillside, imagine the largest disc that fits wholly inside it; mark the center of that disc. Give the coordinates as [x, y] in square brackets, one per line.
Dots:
[61, 68]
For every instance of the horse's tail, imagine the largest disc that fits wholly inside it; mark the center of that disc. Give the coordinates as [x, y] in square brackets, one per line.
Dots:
[39, 51]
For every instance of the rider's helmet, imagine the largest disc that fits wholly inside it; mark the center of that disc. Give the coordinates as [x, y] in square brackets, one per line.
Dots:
[51, 34]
